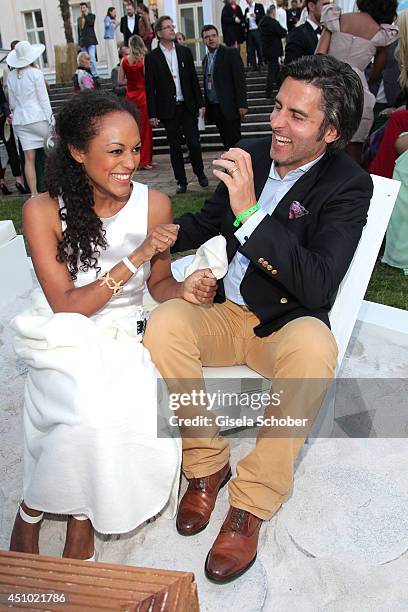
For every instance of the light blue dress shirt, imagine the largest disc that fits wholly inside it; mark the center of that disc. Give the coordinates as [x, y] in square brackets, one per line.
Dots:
[274, 190]
[109, 27]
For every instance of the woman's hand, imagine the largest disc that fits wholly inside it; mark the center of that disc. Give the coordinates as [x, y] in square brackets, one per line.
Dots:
[238, 178]
[161, 238]
[387, 112]
[200, 287]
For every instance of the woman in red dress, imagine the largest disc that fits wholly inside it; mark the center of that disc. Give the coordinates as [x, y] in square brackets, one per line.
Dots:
[132, 69]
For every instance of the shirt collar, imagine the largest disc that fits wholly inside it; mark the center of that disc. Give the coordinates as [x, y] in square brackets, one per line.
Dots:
[165, 50]
[292, 174]
[312, 23]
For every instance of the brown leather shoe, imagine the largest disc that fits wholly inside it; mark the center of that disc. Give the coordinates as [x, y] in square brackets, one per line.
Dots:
[234, 550]
[198, 501]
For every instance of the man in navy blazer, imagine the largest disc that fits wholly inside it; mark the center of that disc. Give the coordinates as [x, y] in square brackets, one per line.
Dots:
[224, 87]
[253, 15]
[174, 99]
[303, 39]
[292, 207]
[129, 23]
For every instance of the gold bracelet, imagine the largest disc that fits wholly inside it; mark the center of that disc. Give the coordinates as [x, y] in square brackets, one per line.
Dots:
[115, 287]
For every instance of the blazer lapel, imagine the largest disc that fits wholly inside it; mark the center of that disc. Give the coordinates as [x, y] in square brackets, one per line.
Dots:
[300, 189]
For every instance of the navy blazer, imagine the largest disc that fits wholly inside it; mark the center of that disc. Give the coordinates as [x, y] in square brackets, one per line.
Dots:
[229, 83]
[160, 86]
[296, 265]
[300, 41]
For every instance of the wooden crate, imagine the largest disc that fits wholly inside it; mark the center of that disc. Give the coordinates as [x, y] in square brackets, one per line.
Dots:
[93, 586]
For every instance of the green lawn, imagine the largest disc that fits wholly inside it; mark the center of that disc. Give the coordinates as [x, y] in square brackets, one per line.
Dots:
[387, 286]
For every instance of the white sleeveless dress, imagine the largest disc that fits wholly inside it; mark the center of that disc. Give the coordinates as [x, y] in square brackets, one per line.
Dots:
[90, 411]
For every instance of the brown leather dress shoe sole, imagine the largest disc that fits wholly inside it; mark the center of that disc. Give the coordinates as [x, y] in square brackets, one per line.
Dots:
[235, 548]
[198, 502]
[216, 580]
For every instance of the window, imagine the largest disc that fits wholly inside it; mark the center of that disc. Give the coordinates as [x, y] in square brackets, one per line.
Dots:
[191, 22]
[35, 33]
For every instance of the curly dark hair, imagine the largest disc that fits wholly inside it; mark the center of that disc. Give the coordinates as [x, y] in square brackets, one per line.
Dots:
[342, 94]
[77, 123]
[382, 11]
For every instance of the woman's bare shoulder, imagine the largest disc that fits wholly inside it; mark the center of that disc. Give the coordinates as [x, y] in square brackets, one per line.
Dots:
[160, 208]
[41, 208]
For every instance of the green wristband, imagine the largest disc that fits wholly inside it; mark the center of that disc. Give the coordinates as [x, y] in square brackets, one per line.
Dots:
[246, 213]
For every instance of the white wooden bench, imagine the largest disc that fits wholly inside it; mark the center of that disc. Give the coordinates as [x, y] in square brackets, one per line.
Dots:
[15, 271]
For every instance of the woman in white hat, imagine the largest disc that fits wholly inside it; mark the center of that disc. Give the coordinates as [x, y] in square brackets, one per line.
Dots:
[29, 103]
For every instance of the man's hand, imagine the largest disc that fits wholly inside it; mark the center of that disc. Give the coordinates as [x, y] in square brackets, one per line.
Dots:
[238, 178]
[154, 121]
[242, 112]
[201, 111]
[200, 287]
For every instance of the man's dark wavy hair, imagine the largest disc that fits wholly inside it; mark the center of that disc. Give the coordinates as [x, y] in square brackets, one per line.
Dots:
[77, 123]
[382, 11]
[342, 94]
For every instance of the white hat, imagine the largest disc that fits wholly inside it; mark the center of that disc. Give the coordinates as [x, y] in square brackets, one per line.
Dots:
[24, 54]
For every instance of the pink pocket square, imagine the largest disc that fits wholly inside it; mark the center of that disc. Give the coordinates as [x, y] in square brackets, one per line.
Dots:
[296, 210]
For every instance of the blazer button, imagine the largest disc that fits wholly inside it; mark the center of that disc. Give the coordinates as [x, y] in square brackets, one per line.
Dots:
[265, 264]
[269, 267]
[274, 272]
[261, 260]
[284, 301]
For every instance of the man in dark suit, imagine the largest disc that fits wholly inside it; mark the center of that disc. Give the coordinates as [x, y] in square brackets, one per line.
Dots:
[293, 15]
[86, 35]
[174, 98]
[271, 38]
[253, 15]
[224, 87]
[129, 23]
[303, 39]
[292, 208]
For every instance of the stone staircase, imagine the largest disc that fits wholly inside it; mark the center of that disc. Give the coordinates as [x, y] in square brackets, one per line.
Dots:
[255, 124]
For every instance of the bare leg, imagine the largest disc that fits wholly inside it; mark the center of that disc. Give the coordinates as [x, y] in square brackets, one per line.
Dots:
[29, 169]
[24, 537]
[79, 543]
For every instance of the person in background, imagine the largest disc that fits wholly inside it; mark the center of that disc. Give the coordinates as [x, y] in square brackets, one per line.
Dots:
[371, 30]
[129, 24]
[7, 69]
[293, 15]
[119, 90]
[224, 87]
[11, 148]
[29, 104]
[110, 24]
[180, 39]
[281, 14]
[232, 24]
[174, 98]
[303, 39]
[83, 77]
[86, 34]
[132, 68]
[145, 25]
[253, 15]
[272, 34]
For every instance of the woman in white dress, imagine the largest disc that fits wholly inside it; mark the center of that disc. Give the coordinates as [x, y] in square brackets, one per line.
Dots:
[29, 104]
[90, 414]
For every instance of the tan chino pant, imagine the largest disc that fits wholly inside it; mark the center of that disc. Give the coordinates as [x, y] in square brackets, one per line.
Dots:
[183, 337]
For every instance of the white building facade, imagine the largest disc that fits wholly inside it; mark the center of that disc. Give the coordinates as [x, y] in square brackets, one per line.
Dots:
[41, 21]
